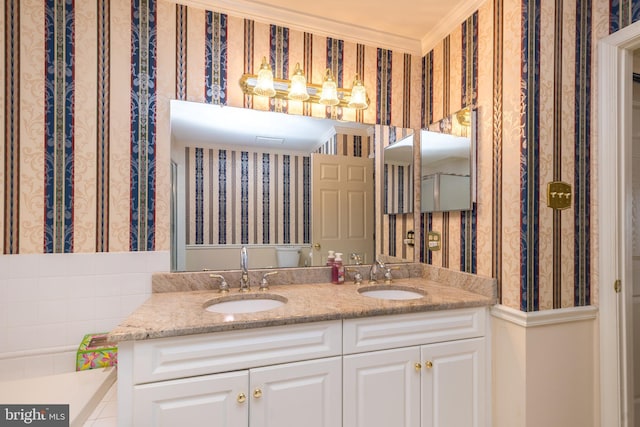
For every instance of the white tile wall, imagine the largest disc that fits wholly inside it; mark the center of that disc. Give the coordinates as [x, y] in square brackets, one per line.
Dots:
[48, 302]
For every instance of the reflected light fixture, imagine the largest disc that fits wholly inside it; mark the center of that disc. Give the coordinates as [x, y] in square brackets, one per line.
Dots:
[358, 95]
[329, 95]
[298, 86]
[264, 83]
[299, 89]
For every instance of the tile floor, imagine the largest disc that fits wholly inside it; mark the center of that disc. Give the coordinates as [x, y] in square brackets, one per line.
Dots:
[106, 413]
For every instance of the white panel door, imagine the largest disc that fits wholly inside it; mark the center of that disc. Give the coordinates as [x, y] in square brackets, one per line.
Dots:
[209, 400]
[453, 384]
[382, 388]
[342, 204]
[302, 394]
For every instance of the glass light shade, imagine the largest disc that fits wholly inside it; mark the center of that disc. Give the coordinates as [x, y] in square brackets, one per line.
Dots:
[298, 87]
[264, 84]
[329, 95]
[358, 95]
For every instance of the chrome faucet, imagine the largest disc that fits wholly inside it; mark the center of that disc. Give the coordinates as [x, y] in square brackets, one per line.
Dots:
[244, 265]
[356, 258]
[373, 271]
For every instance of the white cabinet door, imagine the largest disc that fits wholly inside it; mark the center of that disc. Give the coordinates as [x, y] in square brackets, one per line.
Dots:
[302, 394]
[382, 388]
[453, 387]
[210, 400]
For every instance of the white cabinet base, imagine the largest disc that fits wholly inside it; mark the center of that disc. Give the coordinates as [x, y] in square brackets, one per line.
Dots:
[305, 394]
[409, 370]
[454, 385]
[197, 401]
[382, 389]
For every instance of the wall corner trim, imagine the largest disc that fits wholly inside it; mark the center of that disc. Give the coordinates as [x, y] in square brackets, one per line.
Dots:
[545, 317]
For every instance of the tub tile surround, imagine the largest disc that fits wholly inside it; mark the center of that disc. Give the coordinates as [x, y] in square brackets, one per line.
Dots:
[48, 302]
[177, 305]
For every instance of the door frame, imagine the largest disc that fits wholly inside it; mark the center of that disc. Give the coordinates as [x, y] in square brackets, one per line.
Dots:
[615, 61]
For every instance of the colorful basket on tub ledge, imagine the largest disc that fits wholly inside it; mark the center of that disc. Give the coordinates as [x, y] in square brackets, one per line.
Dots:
[96, 352]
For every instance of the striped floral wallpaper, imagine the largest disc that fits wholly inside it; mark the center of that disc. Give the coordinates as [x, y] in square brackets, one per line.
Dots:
[85, 118]
[244, 197]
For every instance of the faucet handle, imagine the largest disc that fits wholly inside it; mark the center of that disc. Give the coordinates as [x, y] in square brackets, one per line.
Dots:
[224, 286]
[357, 275]
[264, 284]
[388, 278]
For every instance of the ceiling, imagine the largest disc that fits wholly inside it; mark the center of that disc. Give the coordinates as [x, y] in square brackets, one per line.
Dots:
[410, 26]
[204, 125]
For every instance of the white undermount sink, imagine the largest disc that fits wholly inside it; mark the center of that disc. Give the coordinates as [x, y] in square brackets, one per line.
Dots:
[391, 292]
[249, 303]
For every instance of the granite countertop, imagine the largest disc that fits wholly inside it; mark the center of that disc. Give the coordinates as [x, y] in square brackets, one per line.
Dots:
[168, 314]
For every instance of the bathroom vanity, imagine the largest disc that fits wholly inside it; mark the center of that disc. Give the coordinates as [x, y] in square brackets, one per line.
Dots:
[329, 356]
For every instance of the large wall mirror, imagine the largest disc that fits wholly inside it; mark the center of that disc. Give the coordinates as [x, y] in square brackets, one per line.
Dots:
[247, 177]
[397, 182]
[448, 163]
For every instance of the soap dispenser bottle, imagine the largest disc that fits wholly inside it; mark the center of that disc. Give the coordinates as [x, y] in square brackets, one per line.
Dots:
[331, 258]
[338, 270]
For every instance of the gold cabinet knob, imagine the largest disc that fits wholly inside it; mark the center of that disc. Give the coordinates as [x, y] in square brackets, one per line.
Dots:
[428, 364]
[257, 393]
[418, 366]
[317, 246]
[241, 397]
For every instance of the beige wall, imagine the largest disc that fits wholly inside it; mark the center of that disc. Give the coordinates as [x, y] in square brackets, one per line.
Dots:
[497, 238]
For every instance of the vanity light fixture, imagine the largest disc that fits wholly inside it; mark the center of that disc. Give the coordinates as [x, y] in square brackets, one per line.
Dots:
[358, 95]
[298, 89]
[264, 81]
[298, 86]
[329, 95]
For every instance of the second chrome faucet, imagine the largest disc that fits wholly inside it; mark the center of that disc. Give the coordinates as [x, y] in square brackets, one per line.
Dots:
[244, 266]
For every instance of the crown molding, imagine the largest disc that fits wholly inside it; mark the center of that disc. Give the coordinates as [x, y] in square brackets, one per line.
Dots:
[308, 23]
[444, 27]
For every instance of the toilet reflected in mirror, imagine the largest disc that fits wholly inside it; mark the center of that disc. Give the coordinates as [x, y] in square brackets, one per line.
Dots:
[288, 256]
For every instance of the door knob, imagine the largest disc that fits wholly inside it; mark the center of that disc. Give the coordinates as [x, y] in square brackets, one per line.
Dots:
[418, 366]
[242, 397]
[428, 364]
[257, 393]
[317, 246]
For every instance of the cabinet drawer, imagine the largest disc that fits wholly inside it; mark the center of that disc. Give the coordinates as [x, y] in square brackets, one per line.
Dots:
[179, 357]
[383, 332]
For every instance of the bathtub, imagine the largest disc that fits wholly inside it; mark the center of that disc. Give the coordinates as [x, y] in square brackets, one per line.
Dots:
[82, 390]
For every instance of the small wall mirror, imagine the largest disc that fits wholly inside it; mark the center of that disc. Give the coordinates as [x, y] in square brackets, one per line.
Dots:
[398, 177]
[448, 154]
